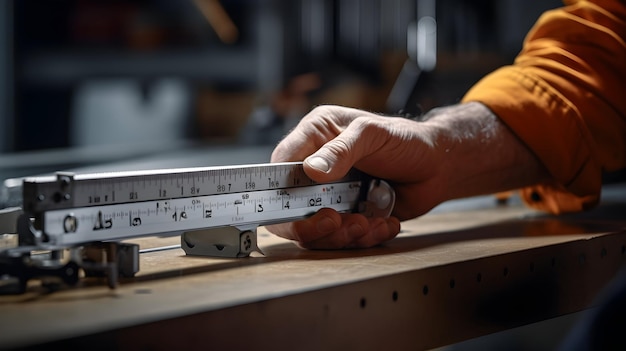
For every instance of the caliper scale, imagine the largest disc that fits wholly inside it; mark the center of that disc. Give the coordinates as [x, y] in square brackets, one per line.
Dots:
[215, 210]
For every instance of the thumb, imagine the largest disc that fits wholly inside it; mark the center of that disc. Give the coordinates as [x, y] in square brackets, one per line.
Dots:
[335, 158]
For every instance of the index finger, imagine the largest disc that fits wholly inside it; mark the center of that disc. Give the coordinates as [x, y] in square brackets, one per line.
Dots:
[319, 126]
[294, 147]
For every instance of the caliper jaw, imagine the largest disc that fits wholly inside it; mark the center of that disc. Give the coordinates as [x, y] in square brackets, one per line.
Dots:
[228, 241]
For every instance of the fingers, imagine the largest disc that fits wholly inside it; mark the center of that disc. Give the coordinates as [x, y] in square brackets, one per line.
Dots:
[334, 135]
[296, 146]
[329, 230]
[356, 231]
[360, 139]
[323, 223]
[315, 129]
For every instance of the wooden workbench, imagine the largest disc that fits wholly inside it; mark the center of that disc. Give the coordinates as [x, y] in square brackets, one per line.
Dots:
[468, 268]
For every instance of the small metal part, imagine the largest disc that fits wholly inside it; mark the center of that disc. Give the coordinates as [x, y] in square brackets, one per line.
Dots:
[11, 193]
[380, 200]
[47, 192]
[27, 234]
[16, 269]
[8, 220]
[8, 227]
[64, 188]
[128, 259]
[110, 260]
[220, 242]
[70, 223]
[58, 267]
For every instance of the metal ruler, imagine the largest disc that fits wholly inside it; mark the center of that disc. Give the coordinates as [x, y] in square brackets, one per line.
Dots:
[215, 210]
[70, 209]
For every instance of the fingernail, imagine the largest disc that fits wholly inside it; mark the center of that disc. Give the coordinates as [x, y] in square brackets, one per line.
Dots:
[318, 163]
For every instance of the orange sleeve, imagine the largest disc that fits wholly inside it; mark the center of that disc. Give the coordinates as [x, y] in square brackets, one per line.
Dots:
[565, 98]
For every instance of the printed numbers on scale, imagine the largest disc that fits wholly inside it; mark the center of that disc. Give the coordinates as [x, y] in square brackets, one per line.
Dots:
[284, 193]
[164, 208]
[135, 222]
[179, 216]
[221, 188]
[102, 223]
[273, 183]
[315, 202]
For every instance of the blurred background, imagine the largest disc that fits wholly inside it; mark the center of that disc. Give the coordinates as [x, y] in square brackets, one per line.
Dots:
[77, 73]
[87, 81]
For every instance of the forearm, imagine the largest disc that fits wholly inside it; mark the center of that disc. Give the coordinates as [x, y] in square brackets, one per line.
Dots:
[479, 154]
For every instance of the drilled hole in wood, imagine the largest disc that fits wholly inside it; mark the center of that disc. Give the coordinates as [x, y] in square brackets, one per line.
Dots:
[553, 262]
[532, 267]
[394, 296]
[603, 252]
[425, 290]
[479, 277]
[505, 271]
[452, 283]
[581, 258]
[363, 302]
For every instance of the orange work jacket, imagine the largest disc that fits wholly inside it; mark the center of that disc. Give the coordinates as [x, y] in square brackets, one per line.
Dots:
[565, 98]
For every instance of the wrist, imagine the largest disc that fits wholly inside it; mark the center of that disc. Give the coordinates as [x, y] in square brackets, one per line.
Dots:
[478, 153]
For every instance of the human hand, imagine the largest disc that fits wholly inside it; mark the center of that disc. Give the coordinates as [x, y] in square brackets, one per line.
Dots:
[331, 140]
